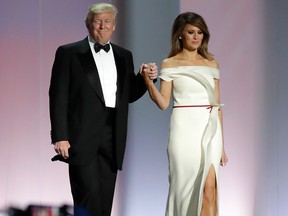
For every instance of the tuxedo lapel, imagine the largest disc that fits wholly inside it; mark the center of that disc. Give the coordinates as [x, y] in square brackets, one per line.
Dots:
[89, 66]
[120, 67]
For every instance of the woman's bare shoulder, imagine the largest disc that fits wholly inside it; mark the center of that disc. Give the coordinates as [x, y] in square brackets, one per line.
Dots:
[212, 63]
[169, 63]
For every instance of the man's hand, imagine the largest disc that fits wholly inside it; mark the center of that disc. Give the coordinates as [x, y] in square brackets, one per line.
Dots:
[61, 148]
[149, 70]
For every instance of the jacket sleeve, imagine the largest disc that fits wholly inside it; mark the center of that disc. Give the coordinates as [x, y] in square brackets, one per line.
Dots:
[58, 96]
[137, 83]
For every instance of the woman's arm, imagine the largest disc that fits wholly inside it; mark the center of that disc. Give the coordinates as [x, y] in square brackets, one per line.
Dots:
[224, 158]
[160, 98]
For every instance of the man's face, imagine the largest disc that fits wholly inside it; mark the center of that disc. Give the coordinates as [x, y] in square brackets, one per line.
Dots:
[102, 27]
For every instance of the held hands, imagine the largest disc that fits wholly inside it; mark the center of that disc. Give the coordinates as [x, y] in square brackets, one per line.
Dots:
[149, 71]
[61, 148]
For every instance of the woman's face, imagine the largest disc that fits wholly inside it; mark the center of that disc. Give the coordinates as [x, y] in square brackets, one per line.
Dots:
[192, 37]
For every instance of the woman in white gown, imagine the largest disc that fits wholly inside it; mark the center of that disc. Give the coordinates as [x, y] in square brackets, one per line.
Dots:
[195, 149]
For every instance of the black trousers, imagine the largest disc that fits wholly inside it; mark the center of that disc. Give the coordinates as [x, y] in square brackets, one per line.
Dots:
[93, 185]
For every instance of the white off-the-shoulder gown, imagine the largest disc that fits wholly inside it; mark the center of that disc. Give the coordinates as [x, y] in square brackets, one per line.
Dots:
[195, 140]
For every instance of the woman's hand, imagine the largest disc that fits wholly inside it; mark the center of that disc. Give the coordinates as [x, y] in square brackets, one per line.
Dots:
[224, 159]
[149, 71]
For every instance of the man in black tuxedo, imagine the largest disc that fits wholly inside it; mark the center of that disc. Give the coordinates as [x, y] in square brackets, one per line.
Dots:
[92, 83]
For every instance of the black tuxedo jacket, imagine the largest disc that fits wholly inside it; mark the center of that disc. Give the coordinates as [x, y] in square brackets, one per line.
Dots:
[77, 103]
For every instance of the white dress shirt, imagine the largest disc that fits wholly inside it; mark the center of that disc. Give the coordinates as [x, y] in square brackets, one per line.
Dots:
[106, 67]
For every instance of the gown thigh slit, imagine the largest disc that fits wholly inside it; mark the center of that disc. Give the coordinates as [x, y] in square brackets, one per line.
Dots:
[206, 187]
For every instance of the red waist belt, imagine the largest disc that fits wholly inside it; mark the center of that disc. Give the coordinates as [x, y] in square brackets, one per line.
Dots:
[188, 106]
